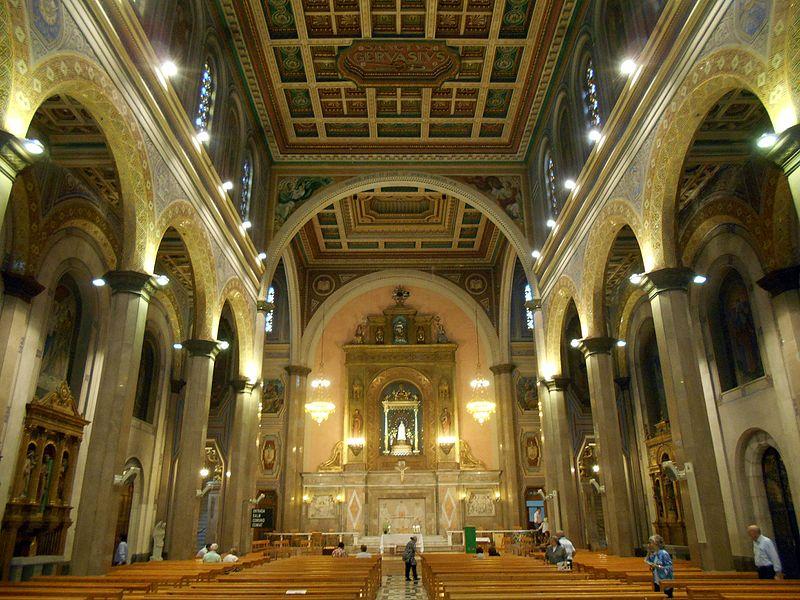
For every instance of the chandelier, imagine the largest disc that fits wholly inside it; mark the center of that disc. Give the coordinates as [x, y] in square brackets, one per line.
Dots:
[481, 407]
[320, 407]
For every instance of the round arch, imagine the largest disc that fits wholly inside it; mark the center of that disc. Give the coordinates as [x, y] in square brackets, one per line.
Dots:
[242, 309]
[711, 78]
[563, 292]
[338, 191]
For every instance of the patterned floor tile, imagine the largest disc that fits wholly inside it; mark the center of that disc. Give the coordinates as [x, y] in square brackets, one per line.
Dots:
[395, 587]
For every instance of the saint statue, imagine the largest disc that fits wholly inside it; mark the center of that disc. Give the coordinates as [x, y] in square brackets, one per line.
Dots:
[444, 391]
[359, 337]
[400, 330]
[420, 334]
[358, 424]
[379, 335]
[445, 421]
[401, 432]
[62, 477]
[357, 389]
[27, 470]
[441, 336]
[158, 540]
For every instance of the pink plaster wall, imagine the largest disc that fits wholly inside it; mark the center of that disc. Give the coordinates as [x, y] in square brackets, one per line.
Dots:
[339, 330]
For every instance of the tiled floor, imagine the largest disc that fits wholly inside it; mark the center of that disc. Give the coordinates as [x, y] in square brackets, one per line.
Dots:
[395, 587]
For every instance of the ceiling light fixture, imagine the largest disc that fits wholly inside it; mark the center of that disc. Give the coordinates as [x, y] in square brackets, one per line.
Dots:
[481, 407]
[636, 278]
[621, 343]
[227, 186]
[320, 407]
[594, 135]
[262, 256]
[536, 254]
[700, 279]
[33, 146]
[169, 69]
[246, 225]
[627, 66]
[570, 184]
[161, 280]
[551, 223]
[766, 140]
[574, 342]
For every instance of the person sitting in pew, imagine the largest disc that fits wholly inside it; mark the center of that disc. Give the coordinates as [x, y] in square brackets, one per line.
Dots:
[339, 551]
[493, 550]
[232, 556]
[202, 552]
[363, 553]
[212, 556]
[555, 552]
[660, 563]
[479, 553]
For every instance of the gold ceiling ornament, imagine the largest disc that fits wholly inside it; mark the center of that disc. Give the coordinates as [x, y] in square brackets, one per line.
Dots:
[320, 407]
[481, 407]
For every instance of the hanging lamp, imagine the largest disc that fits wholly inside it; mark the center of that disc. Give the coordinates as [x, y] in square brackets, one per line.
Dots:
[320, 406]
[481, 407]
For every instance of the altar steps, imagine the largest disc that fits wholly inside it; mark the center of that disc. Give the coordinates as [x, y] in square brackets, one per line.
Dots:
[433, 543]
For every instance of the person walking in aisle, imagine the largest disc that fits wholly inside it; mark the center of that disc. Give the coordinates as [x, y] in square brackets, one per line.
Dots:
[410, 559]
[768, 563]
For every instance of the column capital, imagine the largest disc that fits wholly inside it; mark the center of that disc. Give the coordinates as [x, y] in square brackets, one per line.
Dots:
[503, 368]
[14, 157]
[558, 383]
[207, 348]
[264, 306]
[781, 280]
[19, 285]
[300, 370]
[243, 385]
[597, 345]
[624, 383]
[667, 279]
[786, 151]
[130, 282]
[535, 304]
[176, 385]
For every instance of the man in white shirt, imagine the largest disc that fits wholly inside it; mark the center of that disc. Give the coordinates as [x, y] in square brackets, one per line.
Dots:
[363, 553]
[768, 563]
[232, 556]
[569, 547]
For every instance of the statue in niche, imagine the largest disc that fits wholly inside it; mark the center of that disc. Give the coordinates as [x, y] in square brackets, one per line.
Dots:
[357, 390]
[379, 335]
[359, 337]
[444, 391]
[158, 540]
[62, 334]
[27, 471]
[400, 330]
[357, 426]
[445, 421]
[420, 334]
[441, 336]
[62, 477]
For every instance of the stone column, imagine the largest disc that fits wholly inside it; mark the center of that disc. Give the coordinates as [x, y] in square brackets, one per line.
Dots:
[93, 547]
[292, 500]
[782, 286]
[605, 417]
[14, 157]
[709, 543]
[504, 395]
[182, 537]
[786, 154]
[18, 291]
[559, 460]
[240, 486]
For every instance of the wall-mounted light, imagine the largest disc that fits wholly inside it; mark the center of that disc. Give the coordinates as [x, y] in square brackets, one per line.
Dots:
[595, 468]
[497, 495]
[570, 184]
[228, 474]
[594, 135]
[551, 223]
[161, 280]
[169, 69]
[98, 282]
[177, 346]
[223, 344]
[446, 443]
[33, 146]
[356, 445]
[636, 278]
[766, 140]
[262, 256]
[627, 66]
[246, 224]
[204, 472]
[306, 499]
[536, 254]
[203, 136]
[227, 186]
[621, 343]
[574, 342]
[699, 279]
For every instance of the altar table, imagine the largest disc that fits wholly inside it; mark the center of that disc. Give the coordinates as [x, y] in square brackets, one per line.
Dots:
[400, 540]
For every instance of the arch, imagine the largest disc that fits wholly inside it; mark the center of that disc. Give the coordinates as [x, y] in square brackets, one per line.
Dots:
[75, 76]
[749, 452]
[235, 294]
[336, 192]
[614, 216]
[6, 59]
[568, 153]
[563, 293]
[182, 216]
[712, 77]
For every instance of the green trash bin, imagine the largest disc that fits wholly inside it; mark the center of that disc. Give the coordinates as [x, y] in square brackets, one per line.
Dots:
[470, 540]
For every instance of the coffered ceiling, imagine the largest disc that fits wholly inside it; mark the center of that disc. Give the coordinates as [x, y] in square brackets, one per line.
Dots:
[392, 79]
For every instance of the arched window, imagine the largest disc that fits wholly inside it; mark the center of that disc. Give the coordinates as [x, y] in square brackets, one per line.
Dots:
[591, 102]
[245, 187]
[550, 184]
[528, 311]
[269, 319]
[205, 101]
[738, 355]
[144, 402]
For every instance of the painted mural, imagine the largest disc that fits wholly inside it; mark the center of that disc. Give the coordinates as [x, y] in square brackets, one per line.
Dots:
[506, 190]
[293, 192]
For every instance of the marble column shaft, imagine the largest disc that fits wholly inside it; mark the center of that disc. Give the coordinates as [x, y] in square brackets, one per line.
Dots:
[93, 546]
[240, 486]
[617, 511]
[293, 452]
[504, 397]
[183, 518]
[689, 416]
[559, 458]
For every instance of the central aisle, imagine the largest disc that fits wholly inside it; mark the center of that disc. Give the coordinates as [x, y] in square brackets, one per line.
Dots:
[395, 587]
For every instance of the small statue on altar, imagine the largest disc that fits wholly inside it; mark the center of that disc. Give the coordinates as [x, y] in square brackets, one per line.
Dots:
[379, 335]
[420, 334]
[27, 471]
[359, 337]
[400, 330]
[357, 425]
[441, 336]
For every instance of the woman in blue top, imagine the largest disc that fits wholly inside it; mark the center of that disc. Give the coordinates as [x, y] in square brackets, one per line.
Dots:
[660, 563]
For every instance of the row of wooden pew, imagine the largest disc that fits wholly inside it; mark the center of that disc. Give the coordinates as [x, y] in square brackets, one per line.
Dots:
[253, 577]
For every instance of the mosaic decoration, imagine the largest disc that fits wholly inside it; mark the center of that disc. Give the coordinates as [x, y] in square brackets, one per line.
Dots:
[48, 19]
[377, 63]
[293, 191]
[504, 189]
[273, 394]
[527, 393]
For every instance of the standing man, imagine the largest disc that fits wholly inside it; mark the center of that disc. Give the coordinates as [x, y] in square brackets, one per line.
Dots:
[409, 557]
[765, 554]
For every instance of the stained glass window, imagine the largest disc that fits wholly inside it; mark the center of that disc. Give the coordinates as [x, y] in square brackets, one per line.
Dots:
[270, 316]
[528, 311]
[245, 188]
[550, 184]
[206, 99]
[590, 100]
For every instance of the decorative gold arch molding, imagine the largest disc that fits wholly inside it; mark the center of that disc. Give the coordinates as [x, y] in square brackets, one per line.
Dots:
[75, 76]
[562, 293]
[341, 190]
[712, 77]
[182, 216]
[243, 310]
[6, 57]
[612, 218]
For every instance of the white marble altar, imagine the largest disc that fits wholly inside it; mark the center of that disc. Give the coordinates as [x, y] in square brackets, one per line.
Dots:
[399, 540]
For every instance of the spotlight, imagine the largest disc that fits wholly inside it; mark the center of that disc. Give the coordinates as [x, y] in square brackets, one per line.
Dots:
[169, 69]
[594, 135]
[700, 279]
[162, 280]
[766, 140]
[621, 343]
[636, 278]
[98, 282]
[177, 346]
[204, 472]
[203, 136]
[569, 184]
[246, 224]
[551, 223]
[627, 66]
[574, 342]
[33, 146]
[227, 186]
[536, 254]
[595, 468]
[262, 256]
[223, 344]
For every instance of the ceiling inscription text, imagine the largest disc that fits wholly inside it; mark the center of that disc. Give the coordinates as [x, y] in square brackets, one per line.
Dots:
[397, 63]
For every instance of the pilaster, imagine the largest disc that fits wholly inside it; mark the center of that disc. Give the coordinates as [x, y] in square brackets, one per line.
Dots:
[504, 397]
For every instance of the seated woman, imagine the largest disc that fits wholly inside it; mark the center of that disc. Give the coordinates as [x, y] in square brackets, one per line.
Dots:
[555, 552]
